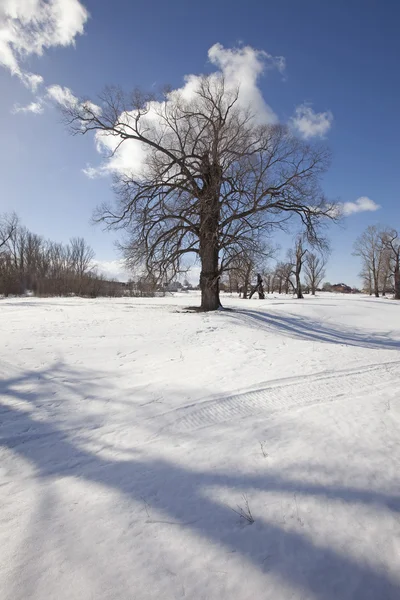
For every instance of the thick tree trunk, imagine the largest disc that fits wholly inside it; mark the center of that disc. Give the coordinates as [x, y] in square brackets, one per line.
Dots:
[397, 279]
[209, 276]
[209, 292]
[209, 249]
[246, 282]
[376, 285]
[298, 284]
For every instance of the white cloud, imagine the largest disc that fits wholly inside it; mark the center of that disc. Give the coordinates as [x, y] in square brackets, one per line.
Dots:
[308, 123]
[28, 27]
[112, 269]
[34, 107]
[243, 66]
[362, 204]
[61, 95]
[239, 66]
[344, 209]
[91, 172]
[31, 81]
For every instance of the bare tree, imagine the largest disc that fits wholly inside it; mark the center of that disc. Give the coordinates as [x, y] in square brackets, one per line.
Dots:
[28, 262]
[371, 248]
[385, 272]
[314, 270]
[391, 241]
[249, 263]
[282, 279]
[259, 288]
[211, 178]
[81, 258]
[366, 277]
[268, 275]
[298, 257]
[8, 227]
[327, 287]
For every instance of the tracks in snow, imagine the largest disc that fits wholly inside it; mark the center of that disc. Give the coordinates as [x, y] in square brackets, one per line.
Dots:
[281, 395]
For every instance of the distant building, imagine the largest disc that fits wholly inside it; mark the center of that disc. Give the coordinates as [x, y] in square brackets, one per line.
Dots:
[342, 288]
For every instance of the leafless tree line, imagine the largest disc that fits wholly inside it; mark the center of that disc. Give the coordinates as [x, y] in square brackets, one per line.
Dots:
[302, 270]
[379, 250]
[28, 262]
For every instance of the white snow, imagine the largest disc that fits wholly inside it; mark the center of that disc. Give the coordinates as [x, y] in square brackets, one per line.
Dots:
[131, 429]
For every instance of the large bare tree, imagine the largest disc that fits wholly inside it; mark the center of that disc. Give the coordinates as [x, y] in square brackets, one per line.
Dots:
[211, 178]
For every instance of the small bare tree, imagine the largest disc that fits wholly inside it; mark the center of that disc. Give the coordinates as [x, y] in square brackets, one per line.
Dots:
[81, 257]
[248, 263]
[282, 278]
[371, 248]
[296, 258]
[385, 272]
[8, 227]
[211, 178]
[391, 241]
[314, 270]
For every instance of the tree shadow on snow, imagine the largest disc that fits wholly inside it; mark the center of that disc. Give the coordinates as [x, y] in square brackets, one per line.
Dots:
[181, 495]
[304, 328]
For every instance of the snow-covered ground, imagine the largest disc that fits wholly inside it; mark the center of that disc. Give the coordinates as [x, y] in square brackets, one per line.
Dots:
[131, 430]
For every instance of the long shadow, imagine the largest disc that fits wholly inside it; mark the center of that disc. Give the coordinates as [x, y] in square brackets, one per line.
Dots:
[318, 571]
[307, 329]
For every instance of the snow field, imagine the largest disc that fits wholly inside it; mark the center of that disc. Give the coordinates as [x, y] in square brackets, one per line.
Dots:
[131, 430]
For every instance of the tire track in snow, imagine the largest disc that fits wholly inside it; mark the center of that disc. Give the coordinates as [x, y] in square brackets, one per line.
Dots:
[275, 397]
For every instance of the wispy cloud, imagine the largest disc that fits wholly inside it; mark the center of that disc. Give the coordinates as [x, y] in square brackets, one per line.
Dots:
[61, 95]
[362, 204]
[34, 107]
[309, 124]
[31, 80]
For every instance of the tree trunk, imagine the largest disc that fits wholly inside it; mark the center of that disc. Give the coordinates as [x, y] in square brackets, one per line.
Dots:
[298, 285]
[376, 286]
[209, 250]
[258, 288]
[397, 279]
[246, 282]
[209, 276]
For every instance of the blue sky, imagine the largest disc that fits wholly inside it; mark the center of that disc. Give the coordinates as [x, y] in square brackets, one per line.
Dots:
[341, 60]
